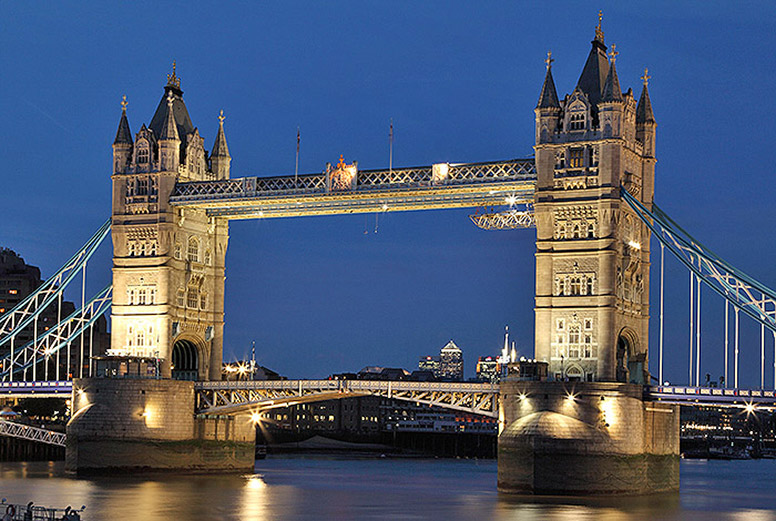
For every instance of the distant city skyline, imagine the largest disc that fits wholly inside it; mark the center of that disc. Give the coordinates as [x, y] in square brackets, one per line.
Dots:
[333, 294]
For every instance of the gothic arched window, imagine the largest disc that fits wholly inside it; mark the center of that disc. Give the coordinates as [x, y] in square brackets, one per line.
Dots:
[192, 253]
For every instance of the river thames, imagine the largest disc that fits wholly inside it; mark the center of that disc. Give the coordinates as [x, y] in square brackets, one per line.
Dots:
[289, 488]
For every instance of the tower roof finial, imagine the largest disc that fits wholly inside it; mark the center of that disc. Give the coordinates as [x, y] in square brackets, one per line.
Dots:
[646, 77]
[221, 118]
[599, 33]
[613, 53]
[124, 103]
[172, 79]
[170, 99]
[549, 60]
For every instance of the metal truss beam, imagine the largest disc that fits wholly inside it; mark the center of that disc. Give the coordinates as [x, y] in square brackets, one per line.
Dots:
[743, 291]
[408, 189]
[22, 315]
[235, 397]
[510, 219]
[720, 397]
[57, 337]
[17, 430]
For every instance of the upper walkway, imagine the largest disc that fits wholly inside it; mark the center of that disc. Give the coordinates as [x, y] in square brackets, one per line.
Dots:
[345, 191]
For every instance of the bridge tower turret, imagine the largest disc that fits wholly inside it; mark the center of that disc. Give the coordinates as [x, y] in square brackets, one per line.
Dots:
[592, 259]
[122, 145]
[168, 264]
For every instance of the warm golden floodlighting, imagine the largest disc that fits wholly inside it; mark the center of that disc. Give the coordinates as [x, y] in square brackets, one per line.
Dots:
[750, 408]
[255, 417]
[523, 396]
[570, 398]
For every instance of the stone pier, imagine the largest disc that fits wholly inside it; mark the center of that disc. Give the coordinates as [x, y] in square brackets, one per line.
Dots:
[124, 424]
[583, 438]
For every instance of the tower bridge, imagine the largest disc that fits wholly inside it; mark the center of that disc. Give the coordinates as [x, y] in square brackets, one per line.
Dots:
[589, 192]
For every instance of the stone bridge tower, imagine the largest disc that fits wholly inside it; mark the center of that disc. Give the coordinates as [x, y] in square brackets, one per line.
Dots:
[592, 259]
[168, 263]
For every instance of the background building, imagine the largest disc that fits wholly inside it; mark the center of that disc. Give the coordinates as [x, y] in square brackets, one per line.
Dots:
[429, 363]
[451, 362]
[488, 369]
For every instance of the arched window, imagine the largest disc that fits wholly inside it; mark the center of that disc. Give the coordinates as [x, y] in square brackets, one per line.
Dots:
[152, 248]
[142, 152]
[577, 121]
[178, 253]
[577, 232]
[590, 230]
[589, 285]
[208, 257]
[192, 253]
[180, 299]
[141, 296]
[131, 248]
[141, 337]
[203, 301]
[561, 286]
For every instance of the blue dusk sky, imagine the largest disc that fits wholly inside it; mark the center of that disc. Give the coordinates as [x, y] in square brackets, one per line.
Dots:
[460, 80]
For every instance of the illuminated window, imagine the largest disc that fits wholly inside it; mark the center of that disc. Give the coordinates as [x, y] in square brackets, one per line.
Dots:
[588, 324]
[12, 292]
[575, 158]
[141, 297]
[192, 253]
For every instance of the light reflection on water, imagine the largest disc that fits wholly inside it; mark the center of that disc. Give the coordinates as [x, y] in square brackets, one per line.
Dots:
[397, 489]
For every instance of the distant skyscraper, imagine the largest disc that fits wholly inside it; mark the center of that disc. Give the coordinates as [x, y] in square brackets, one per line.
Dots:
[451, 362]
[488, 369]
[429, 363]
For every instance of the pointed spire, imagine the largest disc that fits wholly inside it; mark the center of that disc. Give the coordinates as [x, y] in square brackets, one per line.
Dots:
[612, 90]
[219, 147]
[123, 135]
[593, 76]
[644, 108]
[549, 96]
[169, 128]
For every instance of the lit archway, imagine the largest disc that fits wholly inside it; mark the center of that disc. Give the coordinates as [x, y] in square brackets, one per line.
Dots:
[185, 360]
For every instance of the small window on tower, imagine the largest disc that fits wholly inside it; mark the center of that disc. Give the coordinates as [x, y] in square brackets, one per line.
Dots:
[143, 155]
[577, 121]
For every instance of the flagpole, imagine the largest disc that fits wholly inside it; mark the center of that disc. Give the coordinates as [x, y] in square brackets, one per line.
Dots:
[390, 152]
[296, 168]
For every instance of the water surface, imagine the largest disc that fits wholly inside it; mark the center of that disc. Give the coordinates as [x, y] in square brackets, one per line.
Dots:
[302, 488]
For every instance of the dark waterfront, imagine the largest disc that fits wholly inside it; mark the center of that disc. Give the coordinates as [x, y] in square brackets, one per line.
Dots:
[290, 488]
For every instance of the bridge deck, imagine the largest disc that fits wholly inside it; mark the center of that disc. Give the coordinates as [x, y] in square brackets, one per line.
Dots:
[402, 189]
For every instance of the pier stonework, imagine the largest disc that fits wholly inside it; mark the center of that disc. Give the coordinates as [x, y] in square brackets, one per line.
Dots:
[592, 301]
[123, 424]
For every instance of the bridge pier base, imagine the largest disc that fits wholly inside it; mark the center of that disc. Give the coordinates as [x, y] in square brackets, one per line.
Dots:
[120, 425]
[585, 438]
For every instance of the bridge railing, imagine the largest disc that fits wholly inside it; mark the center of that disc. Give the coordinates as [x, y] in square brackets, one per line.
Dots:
[366, 180]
